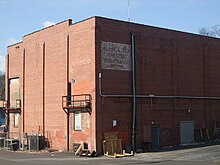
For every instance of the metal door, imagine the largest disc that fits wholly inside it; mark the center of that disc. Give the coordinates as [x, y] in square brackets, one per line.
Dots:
[155, 137]
[186, 132]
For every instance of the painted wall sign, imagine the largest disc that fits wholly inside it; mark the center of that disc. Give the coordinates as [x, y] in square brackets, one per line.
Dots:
[115, 56]
[82, 62]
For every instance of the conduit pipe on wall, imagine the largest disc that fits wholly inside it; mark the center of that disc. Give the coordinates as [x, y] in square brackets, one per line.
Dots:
[151, 96]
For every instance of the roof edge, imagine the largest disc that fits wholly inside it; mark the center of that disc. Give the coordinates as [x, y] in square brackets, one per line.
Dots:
[152, 26]
[67, 20]
[14, 44]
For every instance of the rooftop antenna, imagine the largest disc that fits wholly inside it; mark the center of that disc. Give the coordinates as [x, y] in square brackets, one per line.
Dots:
[129, 19]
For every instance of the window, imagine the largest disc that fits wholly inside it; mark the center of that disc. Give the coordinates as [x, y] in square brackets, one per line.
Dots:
[77, 120]
[16, 119]
[2, 117]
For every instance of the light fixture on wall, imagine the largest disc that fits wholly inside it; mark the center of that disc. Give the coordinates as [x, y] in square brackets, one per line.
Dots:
[73, 81]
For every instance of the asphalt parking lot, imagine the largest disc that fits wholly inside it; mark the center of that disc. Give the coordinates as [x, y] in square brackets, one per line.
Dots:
[201, 156]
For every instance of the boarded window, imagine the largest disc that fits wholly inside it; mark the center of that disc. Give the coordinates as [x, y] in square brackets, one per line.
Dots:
[77, 120]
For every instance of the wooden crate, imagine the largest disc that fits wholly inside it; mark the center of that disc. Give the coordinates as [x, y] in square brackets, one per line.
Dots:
[111, 135]
[112, 146]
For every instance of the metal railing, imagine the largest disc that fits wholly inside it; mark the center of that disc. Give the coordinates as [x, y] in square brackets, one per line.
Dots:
[17, 108]
[77, 102]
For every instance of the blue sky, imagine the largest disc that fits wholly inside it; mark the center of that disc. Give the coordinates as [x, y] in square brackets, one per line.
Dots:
[20, 17]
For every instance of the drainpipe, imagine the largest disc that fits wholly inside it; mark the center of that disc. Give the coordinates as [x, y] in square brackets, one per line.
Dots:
[23, 102]
[133, 90]
[43, 81]
[7, 89]
[68, 91]
[23, 128]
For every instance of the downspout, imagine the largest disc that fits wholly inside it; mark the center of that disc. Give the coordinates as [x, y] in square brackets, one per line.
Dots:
[68, 130]
[44, 89]
[133, 90]
[23, 128]
[7, 94]
[67, 83]
[23, 102]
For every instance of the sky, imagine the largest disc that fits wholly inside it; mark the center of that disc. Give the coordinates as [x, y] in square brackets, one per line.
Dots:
[21, 17]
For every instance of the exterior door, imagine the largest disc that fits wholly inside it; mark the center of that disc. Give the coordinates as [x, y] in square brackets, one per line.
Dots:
[186, 132]
[155, 137]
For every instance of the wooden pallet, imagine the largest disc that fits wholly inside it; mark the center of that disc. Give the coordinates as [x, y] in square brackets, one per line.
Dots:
[112, 146]
[202, 135]
[119, 155]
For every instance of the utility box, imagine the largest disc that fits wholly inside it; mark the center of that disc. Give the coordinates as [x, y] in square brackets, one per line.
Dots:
[36, 142]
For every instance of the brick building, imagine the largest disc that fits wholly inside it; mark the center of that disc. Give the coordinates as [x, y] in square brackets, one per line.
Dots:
[72, 82]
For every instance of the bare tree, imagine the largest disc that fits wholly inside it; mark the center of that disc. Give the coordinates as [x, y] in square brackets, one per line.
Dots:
[216, 29]
[213, 31]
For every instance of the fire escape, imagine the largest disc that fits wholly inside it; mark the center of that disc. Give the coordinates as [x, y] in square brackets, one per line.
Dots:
[12, 109]
[76, 103]
[82, 103]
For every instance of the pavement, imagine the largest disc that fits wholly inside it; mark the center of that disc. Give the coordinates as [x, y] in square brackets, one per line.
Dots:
[208, 155]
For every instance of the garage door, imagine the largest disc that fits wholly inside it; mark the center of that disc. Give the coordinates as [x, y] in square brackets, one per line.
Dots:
[186, 132]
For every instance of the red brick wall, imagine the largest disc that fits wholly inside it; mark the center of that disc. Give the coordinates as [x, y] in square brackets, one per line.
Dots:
[14, 59]
[82, 71]
[46, 80]
[167, 63]
[45, 59]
